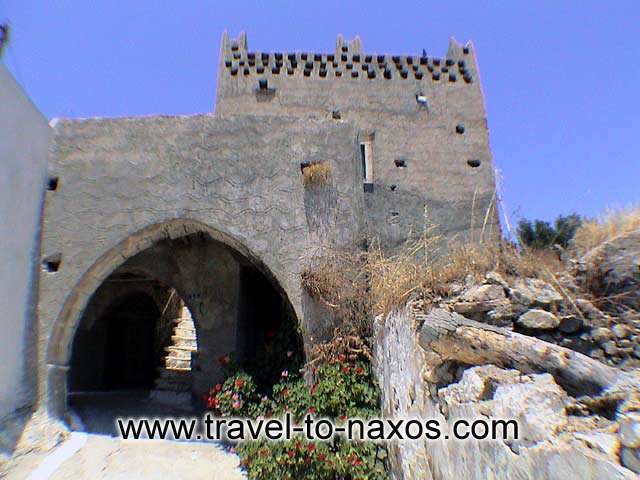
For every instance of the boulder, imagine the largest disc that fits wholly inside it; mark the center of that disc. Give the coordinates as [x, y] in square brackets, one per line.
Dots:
[538, 320]
[534, 292]
[610, 348]
[629, 431]
[501, 316]
[630, 458]
[480, 299]
[570, 324]
[494, 278]
[601, 334]
[620, 330]
[613, 269]
[590, 311]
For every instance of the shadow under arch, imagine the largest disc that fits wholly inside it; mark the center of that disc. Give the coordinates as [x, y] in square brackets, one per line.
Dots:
[60, 344]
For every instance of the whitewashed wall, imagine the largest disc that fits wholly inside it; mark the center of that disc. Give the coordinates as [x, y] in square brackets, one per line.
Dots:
[24, 139]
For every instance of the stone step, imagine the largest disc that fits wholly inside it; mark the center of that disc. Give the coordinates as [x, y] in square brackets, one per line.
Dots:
[184, 323]
[189, 348]
[179, 352]
[184, 332]
[183, 341]
[172, 398]
[177, 363]
[173, 386]
[174, 380]
[174, 372]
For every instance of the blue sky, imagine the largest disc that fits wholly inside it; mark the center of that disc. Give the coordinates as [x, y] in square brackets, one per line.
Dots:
[561, 78]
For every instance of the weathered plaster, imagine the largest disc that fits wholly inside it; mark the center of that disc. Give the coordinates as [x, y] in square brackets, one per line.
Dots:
[126, 184]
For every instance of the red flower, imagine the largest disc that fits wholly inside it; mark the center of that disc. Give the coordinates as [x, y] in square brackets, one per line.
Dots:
[321, 456]
[359, 370]
[342, 418]
[314, 387]
[307, 460]
[311, 447]
[345, 369]
[311, 410]
[298, 445]
[218, 387]
[239, 383]
[342, 358]
[291, 453]
[212, 402]
[270, 334]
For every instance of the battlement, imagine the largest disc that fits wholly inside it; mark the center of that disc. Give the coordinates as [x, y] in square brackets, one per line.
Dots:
[348, 62]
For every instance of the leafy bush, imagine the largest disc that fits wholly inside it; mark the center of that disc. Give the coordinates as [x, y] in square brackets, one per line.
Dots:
[341, 388]
[540, 234]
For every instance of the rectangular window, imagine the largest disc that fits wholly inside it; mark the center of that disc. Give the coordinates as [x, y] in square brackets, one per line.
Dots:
[367, 161]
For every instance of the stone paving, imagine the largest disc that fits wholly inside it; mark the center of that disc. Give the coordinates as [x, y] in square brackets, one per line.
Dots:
[96, 453]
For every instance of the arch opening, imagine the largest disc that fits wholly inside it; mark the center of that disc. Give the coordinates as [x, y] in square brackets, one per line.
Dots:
[150, 337]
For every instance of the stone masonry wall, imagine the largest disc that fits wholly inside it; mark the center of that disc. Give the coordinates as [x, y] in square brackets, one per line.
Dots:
[379, 94]
[125, 184]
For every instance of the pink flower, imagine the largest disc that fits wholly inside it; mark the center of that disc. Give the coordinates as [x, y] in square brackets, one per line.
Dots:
[237, 404]
[284, 374]
[289, 354]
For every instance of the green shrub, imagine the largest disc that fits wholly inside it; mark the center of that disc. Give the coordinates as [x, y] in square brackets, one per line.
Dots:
[341, 388]
[540, 234]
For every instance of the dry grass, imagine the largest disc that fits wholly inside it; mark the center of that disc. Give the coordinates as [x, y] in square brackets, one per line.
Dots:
[338, 280]
[611, 225]
[360, 286]
[353, 347]
[316, 174]
[394, 279]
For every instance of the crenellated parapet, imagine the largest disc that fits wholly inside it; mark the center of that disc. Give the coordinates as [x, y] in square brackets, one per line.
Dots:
[348, 62]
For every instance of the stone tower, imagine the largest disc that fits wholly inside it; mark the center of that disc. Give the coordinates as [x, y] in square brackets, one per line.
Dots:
[423, 136]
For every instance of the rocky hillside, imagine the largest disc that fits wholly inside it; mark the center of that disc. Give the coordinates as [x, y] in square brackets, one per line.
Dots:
[559, 353]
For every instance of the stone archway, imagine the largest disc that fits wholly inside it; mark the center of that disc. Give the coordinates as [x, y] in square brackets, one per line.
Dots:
[208, 269]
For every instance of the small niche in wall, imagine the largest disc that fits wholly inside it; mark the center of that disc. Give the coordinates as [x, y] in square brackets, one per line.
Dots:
[264, 92]
[460, 128]
[400, 163]
[475, 163]
[304, 165]
[393, 187]
[368, 187]
[51, 263]
[52, 184]
[336, 115]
